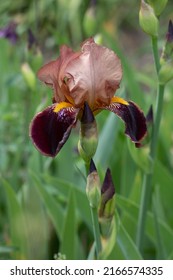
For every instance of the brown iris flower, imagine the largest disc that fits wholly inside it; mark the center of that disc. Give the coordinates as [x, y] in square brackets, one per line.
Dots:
[91, 75]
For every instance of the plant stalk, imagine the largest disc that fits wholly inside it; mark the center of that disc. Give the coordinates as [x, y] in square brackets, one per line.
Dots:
[96, 230]
[147, 181]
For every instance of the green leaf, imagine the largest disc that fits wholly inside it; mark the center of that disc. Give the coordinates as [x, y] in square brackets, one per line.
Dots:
[163, 180]
[135, 192]
[68, 245]
[63, 187]
[38, 224]
[17, 223]
[132, 209]
[160, 247]
[140, 156]
[91, 255]
[106, 140]
[127, 170]
[125, 248]
[170, 257]
[54, 210]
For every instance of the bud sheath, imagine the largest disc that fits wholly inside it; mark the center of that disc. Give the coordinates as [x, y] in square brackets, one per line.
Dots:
[88, 138]
[148, 20]
[93, 187]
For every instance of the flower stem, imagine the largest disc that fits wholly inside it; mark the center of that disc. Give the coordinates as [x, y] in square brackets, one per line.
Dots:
[155, 53]
[147, 182]
[96, 230]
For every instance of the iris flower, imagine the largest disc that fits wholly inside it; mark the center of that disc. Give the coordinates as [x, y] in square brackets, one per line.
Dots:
[9, 32]
[90, 75]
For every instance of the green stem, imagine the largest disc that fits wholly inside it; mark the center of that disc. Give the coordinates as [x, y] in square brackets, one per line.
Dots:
[96, 230]
[155, 53]
[147, 182]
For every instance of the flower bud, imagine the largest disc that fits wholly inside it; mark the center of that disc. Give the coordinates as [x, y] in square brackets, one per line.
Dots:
[9, 32]
[90, 22]
[98, 38]
[93, 186]
[166, 60]
[149, 122]
[32, 52]
[166, 72]
[28, 75]
[32, 42]
[147, 19]
[88, 138]
[149, 116]
[158, 5]
[167, 52]
[107, 204]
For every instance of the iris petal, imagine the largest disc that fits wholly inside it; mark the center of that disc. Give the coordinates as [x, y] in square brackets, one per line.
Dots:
[93, 76]
[133, 117]
[51, 128]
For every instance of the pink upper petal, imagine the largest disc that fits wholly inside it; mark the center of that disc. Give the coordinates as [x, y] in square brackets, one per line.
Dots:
[94, 75]
[49, 75]
[52, 73]
[48, 71]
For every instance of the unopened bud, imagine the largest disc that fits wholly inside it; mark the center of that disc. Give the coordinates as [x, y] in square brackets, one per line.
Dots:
[90, 22]
[28, 75]
[149, 122]
[149, 116]
[167, 52]
[33, 52]
[107, 204]
[166, 60]
[88, 138]
[98, 39]
[157, 5]
[105, 222]
[166, 72]
[32, 42]
[148, 20]
[107, 196]
[93, 186]
[169, 35]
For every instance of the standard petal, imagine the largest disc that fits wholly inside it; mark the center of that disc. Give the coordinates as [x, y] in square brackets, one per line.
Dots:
[94, 75]
[49, 75]
[131, 114]
[48, 72]
[52, 73]
[50, 129]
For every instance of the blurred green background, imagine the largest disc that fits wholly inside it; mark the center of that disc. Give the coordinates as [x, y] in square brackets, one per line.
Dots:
[43, 207]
